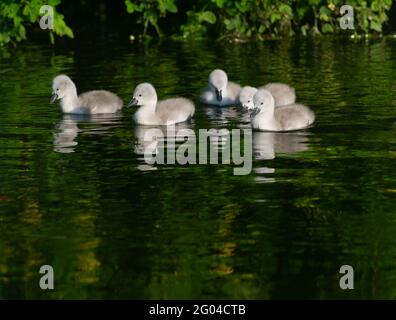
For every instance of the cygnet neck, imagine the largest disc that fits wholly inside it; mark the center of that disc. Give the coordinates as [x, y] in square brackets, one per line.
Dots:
[152, 103]
[70, 101]
[148, 108]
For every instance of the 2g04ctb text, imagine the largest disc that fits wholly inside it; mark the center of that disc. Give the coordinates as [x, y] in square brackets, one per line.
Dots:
[228, 309]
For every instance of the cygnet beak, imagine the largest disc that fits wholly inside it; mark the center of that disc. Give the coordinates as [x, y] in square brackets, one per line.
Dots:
[133, 102]
[219, 96]
[245, 108]
[54, 97]
[255, 111]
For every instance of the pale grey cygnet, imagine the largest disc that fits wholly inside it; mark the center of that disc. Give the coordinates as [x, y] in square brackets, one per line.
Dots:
[91, 102]
[164, 112]
[220, 91]
[266, 117]
[246, 97]
[283, 94]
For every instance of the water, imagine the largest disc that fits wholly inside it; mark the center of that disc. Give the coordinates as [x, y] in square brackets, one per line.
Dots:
[76, 193]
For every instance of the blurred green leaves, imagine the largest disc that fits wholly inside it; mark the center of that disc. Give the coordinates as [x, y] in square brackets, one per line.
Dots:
[151, 11]
[16, 15]
[243, 19]
[231, 19]
[196, 25]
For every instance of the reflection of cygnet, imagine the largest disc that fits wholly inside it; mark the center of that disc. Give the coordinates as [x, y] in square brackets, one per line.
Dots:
[282, 93]
[153, 142]
[222, 115]
[220, 91]
[64, 138]
[147, 140]
[91, 102]
[267, 144]
[266, 117]
[68, 130]
[154, 112]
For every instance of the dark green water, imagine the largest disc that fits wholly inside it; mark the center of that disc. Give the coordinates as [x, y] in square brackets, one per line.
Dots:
[76, 194]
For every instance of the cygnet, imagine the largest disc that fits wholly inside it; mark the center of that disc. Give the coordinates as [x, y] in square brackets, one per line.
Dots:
[266, 117]
[154, 112]
[91, 102]
[220, 91]
[282, 93]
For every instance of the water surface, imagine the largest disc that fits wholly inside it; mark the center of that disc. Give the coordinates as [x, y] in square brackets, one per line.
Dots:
[77, 194]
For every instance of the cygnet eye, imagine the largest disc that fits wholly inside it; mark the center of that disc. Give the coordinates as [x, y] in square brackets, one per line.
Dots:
[140, 95]
[262, 103]
[248, 101]
[57, 89]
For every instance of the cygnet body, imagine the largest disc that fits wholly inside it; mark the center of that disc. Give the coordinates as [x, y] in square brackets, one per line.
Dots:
[154, 112]
[91, 102]
[220, 91]
[282, 93]
[266, 117]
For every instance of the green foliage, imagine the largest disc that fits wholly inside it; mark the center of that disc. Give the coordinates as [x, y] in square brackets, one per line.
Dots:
[370, 16]
[150, 11]
[196, 25]
[15, 16]
[242, 19]
[247, 18]
[231, 19]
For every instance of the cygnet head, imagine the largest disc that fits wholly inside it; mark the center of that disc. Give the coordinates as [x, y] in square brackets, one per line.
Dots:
[62, 86]
[263, 102]
[218, 80]
[144, 94]
[246, 97]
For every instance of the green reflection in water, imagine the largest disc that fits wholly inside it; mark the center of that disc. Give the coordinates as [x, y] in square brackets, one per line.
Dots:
[76, 194]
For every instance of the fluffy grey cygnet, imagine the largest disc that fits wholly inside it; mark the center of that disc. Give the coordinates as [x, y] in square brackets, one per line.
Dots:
[91, 102]
[220, 91]
[266, 117]
[154, 112]
[282, 93]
